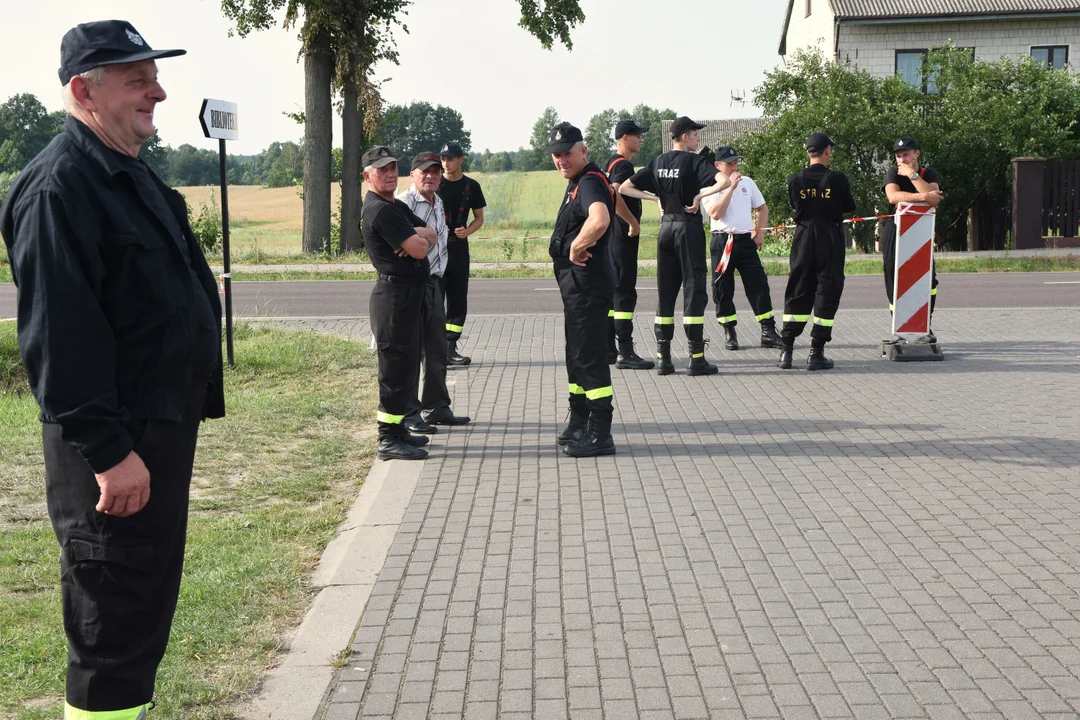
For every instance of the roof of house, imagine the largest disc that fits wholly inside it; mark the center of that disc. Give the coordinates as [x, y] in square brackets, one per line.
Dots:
[909, 9]
[718, 132]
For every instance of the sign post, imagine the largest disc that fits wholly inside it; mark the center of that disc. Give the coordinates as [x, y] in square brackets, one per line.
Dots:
[912, 286]
[220, 120]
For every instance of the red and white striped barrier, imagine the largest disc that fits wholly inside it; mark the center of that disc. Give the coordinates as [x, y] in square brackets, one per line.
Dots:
[914, 264]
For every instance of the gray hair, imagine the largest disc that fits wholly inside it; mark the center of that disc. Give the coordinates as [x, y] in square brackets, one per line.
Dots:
[94, 76]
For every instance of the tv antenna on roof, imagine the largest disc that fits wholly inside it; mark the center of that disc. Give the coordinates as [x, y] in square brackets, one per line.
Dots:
[738, 97]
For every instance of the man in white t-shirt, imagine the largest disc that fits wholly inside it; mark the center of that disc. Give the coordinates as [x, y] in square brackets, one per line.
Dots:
[732, 218]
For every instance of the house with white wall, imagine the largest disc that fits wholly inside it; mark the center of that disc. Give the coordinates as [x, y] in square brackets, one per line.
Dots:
[886, 37]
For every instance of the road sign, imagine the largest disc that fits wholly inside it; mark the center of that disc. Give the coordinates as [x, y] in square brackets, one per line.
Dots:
[220, 120]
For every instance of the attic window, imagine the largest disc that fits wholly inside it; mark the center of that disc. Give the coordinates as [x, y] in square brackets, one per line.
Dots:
[808, 10]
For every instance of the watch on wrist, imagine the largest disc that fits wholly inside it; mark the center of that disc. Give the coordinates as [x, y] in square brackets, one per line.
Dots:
[914, 176]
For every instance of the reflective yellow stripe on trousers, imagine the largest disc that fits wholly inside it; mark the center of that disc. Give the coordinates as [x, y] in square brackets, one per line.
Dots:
[765, 316]
[135, 713]
[796, 318]
[599, 393]
[728, 319]
[619, 315]
[576, 389]
[694, 320]
[823, 322]
[453, 328]
[664, 321]
[388, 418]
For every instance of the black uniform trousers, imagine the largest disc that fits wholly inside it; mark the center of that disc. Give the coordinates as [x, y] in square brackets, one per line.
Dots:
[681, 263]
[888, 252]
[396, 307]
[624, 261]
[433, 351]
[456, 286]
[120, 577]
[745, 259]
[816, 281]
[586, 294]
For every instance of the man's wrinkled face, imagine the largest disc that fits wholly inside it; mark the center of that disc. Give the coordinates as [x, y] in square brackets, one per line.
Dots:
[382, 180]
[570, 163]
[124, 104]
[427, 181]
[451, 165]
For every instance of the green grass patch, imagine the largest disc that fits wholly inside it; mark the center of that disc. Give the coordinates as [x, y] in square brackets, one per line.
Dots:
[272, 483]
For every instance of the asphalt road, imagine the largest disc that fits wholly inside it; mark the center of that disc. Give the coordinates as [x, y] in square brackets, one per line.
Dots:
[524, 297]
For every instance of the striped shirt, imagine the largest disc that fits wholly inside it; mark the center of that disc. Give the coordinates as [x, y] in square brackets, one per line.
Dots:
[436, 220]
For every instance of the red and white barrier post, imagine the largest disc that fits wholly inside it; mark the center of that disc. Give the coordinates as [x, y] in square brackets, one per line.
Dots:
[912, 284]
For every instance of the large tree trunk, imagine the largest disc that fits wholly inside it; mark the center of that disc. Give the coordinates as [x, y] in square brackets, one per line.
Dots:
[318, 139]
[352, 149]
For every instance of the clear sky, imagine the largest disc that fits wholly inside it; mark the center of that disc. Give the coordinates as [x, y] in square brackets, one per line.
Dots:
[468, 54]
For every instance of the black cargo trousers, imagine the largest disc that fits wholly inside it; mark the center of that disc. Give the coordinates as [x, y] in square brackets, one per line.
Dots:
[745, 259]
[816, 282]
[587, 294]
[681, 264]
[120, 577]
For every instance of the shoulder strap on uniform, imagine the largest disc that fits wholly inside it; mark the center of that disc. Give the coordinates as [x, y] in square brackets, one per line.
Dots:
[615, 162]
[824, 181]
[802, 179]
[922, 172]
[600, 175]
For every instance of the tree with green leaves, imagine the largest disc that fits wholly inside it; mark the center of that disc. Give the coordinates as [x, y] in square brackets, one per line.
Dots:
[599, 135]
[419, 127]
[539, 140]
[26, 127]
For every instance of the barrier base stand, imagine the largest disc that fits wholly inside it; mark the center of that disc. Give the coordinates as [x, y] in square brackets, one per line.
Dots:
[899, 350]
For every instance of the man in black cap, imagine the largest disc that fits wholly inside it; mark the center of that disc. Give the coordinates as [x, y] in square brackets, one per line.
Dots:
[397, 243]
[909, 183]
[120, 333]
[580, 254]
[460, 195]
[624, 249]
[820, 197]
[675, 179]
[432, 407]
[732, 218]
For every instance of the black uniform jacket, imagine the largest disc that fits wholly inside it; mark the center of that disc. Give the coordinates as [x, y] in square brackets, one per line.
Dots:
[107, 313]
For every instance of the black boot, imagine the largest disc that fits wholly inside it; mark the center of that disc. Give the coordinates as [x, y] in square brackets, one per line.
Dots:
[698, 365]
[769, 337]
[596, 440]
[785, 357]
[818, 361]
[629, 360]
[399, 448]
[663, 358]
[452, 356]
[575, 428]
[731, 340]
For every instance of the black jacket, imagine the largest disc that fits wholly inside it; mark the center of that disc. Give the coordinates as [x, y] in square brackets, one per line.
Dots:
[106, 307]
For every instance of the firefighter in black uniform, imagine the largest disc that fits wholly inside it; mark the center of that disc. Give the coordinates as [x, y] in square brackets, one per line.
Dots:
[678, 180]
[397, 242]
[580, 253]
[907, 182]
[820, 197]
[624, 250]
[460, 195]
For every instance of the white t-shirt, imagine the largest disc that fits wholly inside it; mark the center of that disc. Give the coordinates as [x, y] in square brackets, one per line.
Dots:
[738, 217]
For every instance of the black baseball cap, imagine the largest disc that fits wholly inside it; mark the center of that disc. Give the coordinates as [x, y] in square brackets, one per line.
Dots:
[905, 143]
[378, 156]
[452, 150]
[726, 153]
[104, 42]
[817, 142]
[628, 127]
[425, 160]
[682, 125]
[708, 154]
[563, 137]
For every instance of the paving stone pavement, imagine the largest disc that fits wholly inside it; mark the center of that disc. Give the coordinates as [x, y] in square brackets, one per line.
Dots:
[880, 541]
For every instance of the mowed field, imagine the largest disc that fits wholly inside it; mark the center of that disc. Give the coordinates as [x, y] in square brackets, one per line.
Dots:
[519, 206]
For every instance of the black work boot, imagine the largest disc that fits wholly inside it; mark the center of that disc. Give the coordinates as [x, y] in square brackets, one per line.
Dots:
[399, 448]
[663, 358]
[596, 440]
[769, 337]
[785, 357]
[575, 428]
[731, 340]
[698, 365]
[453, 357]
[818, 361]
[629, 360]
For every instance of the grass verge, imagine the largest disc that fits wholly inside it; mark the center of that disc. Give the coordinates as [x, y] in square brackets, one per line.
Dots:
[272, 483]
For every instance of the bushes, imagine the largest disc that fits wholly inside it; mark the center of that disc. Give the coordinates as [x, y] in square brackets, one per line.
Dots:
[207, 226]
